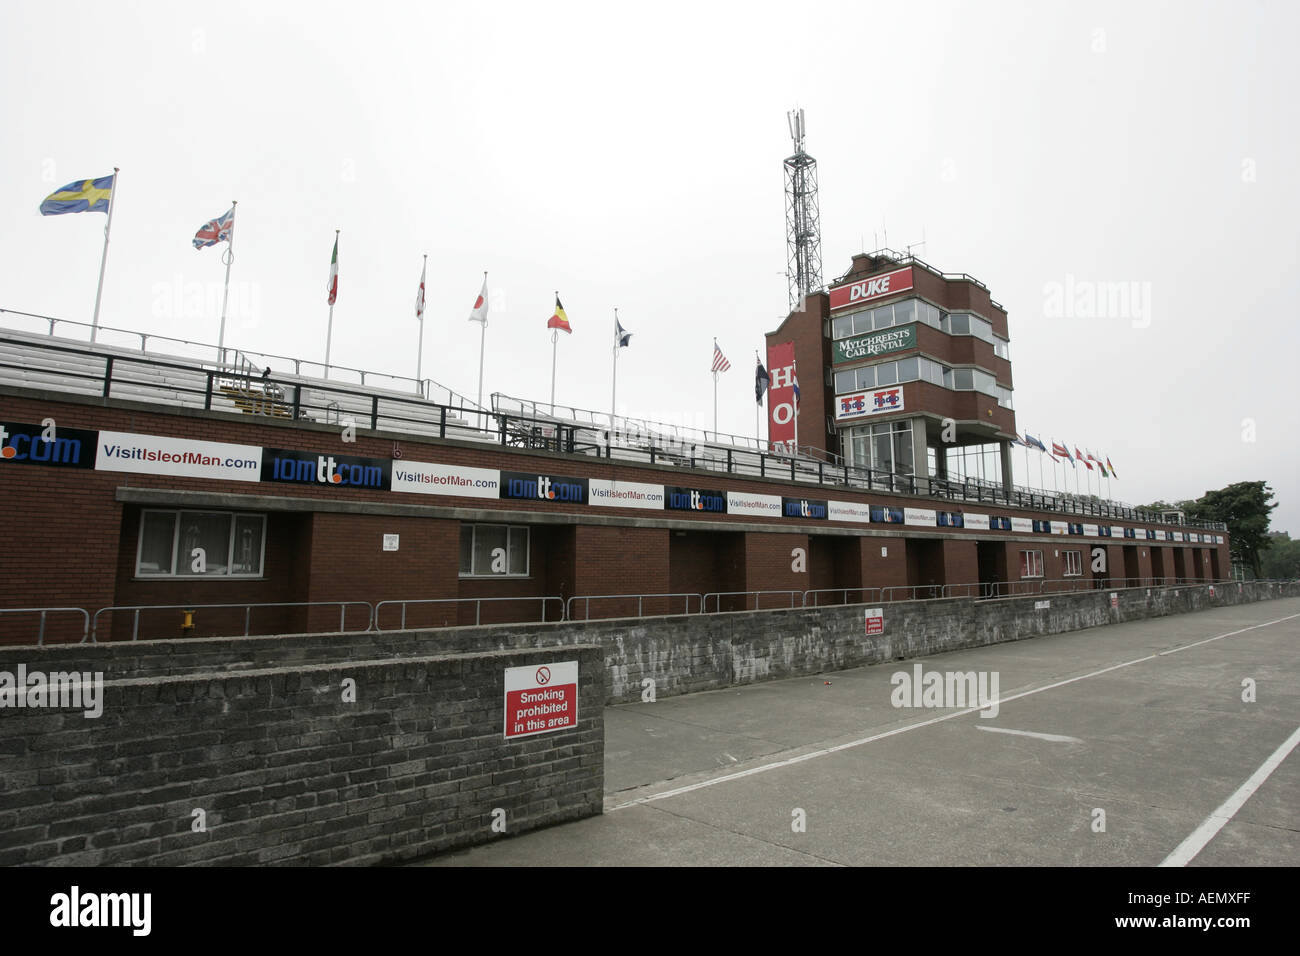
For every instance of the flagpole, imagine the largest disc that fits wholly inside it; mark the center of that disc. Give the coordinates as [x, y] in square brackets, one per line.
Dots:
[758, 408]
[419, 349]
[482, 343]
[794, 366]
[555, 339]
[229, 256]
[613, 392]
[103, 260]
[715, 399]
[329, 329]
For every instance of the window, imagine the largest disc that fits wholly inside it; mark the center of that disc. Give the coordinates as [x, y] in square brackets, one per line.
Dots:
[959, 324]
[493, 550]
[843, 326]
[231, 545]
[908, 369]
[845, 381]
[1071, 563]
[905, 312]
[963, 379]
[1031, 564]
[883, 317]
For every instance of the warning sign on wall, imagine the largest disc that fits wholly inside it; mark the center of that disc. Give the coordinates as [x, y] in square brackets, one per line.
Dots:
[875, 620]
[541, 698]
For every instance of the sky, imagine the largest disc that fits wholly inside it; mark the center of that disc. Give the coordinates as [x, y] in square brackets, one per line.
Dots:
[1122, 177]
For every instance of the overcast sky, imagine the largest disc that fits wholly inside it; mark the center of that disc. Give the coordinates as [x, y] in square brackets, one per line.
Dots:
[632, 157]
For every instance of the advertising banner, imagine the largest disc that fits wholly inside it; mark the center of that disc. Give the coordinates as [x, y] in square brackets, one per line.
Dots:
[534, 487]
[761, 506]
[23, 444]
[336, 471]
[181, 457]
[865, 290]
[707, 500]
[461, 481]
[865, 404]
[780, 394]
[875, 343]
[625, 494]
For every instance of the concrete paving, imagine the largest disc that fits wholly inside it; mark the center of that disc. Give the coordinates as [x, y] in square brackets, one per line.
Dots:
[1141, 721]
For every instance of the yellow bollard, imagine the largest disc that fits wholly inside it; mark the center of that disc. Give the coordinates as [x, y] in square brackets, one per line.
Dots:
[187, 626]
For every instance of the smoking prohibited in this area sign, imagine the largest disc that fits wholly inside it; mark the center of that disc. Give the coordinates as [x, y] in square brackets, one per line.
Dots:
[541, 698]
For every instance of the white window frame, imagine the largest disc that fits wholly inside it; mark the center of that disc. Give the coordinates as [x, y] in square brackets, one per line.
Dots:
[1069, 559]
[1035, 559]
[176, 531]
[489, 575]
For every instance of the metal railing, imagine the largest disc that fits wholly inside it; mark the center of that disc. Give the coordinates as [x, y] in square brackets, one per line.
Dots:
[757, 595]
[640, 603]
[323, 401]
[869, 595]
[43, 611]
[478, 609]
[247, 609]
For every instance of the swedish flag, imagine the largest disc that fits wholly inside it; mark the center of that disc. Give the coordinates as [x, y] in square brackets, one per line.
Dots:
[87, 195]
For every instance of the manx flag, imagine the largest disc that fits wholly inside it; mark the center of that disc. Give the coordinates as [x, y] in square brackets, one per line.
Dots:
[87, 195]
[215, 230]
[559, 320]
[333, 287]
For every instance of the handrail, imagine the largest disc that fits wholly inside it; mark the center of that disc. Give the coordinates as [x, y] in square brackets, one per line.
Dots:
[40, 635]
[417, 415]
[640, 598]
[845, 592]
[478, 609]
[248, 611]
[719, 595]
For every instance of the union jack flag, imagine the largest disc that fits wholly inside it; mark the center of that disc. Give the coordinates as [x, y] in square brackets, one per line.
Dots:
[217, 230]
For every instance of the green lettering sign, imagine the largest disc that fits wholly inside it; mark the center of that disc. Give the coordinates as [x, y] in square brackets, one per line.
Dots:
[876, 343]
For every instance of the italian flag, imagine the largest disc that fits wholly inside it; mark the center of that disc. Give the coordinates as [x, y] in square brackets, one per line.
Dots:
[333, 286]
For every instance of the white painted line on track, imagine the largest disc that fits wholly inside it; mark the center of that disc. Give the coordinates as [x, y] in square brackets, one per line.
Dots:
[1054, 738]
[790, 761]
[1210, 827]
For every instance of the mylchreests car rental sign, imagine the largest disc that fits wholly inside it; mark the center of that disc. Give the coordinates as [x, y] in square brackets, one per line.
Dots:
[875, 343]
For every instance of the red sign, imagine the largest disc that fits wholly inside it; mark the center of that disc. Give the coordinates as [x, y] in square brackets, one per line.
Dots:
[875, 620]
[781, 429]
[877, 287]
[541, 699]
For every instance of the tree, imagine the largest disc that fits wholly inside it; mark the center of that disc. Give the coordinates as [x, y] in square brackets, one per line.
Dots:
[1282, 559]
[1161, 506]
[1244, 507]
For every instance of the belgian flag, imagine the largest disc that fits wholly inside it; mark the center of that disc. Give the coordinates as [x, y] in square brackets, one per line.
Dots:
[559, 320]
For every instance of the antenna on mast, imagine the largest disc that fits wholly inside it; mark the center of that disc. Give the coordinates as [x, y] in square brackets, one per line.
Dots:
[803, 229]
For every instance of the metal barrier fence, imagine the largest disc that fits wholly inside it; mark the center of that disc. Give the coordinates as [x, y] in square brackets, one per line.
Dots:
[640, 603]
[247, 609]
[478, 608]
[42, 611]
[719, 595]
[817, 592]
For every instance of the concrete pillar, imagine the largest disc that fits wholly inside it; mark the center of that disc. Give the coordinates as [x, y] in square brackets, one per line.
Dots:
[920, 460]
[1005, 448]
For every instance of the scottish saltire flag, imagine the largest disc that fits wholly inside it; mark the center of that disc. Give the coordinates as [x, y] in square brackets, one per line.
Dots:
[215, 230]
[761, 381]
[86, 195]
[621, 336]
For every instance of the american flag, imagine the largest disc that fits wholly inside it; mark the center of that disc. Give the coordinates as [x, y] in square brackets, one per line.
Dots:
[720, 363]
[217, 230]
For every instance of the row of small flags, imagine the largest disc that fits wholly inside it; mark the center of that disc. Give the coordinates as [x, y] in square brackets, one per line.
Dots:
[94, 195]
[1059, 451]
